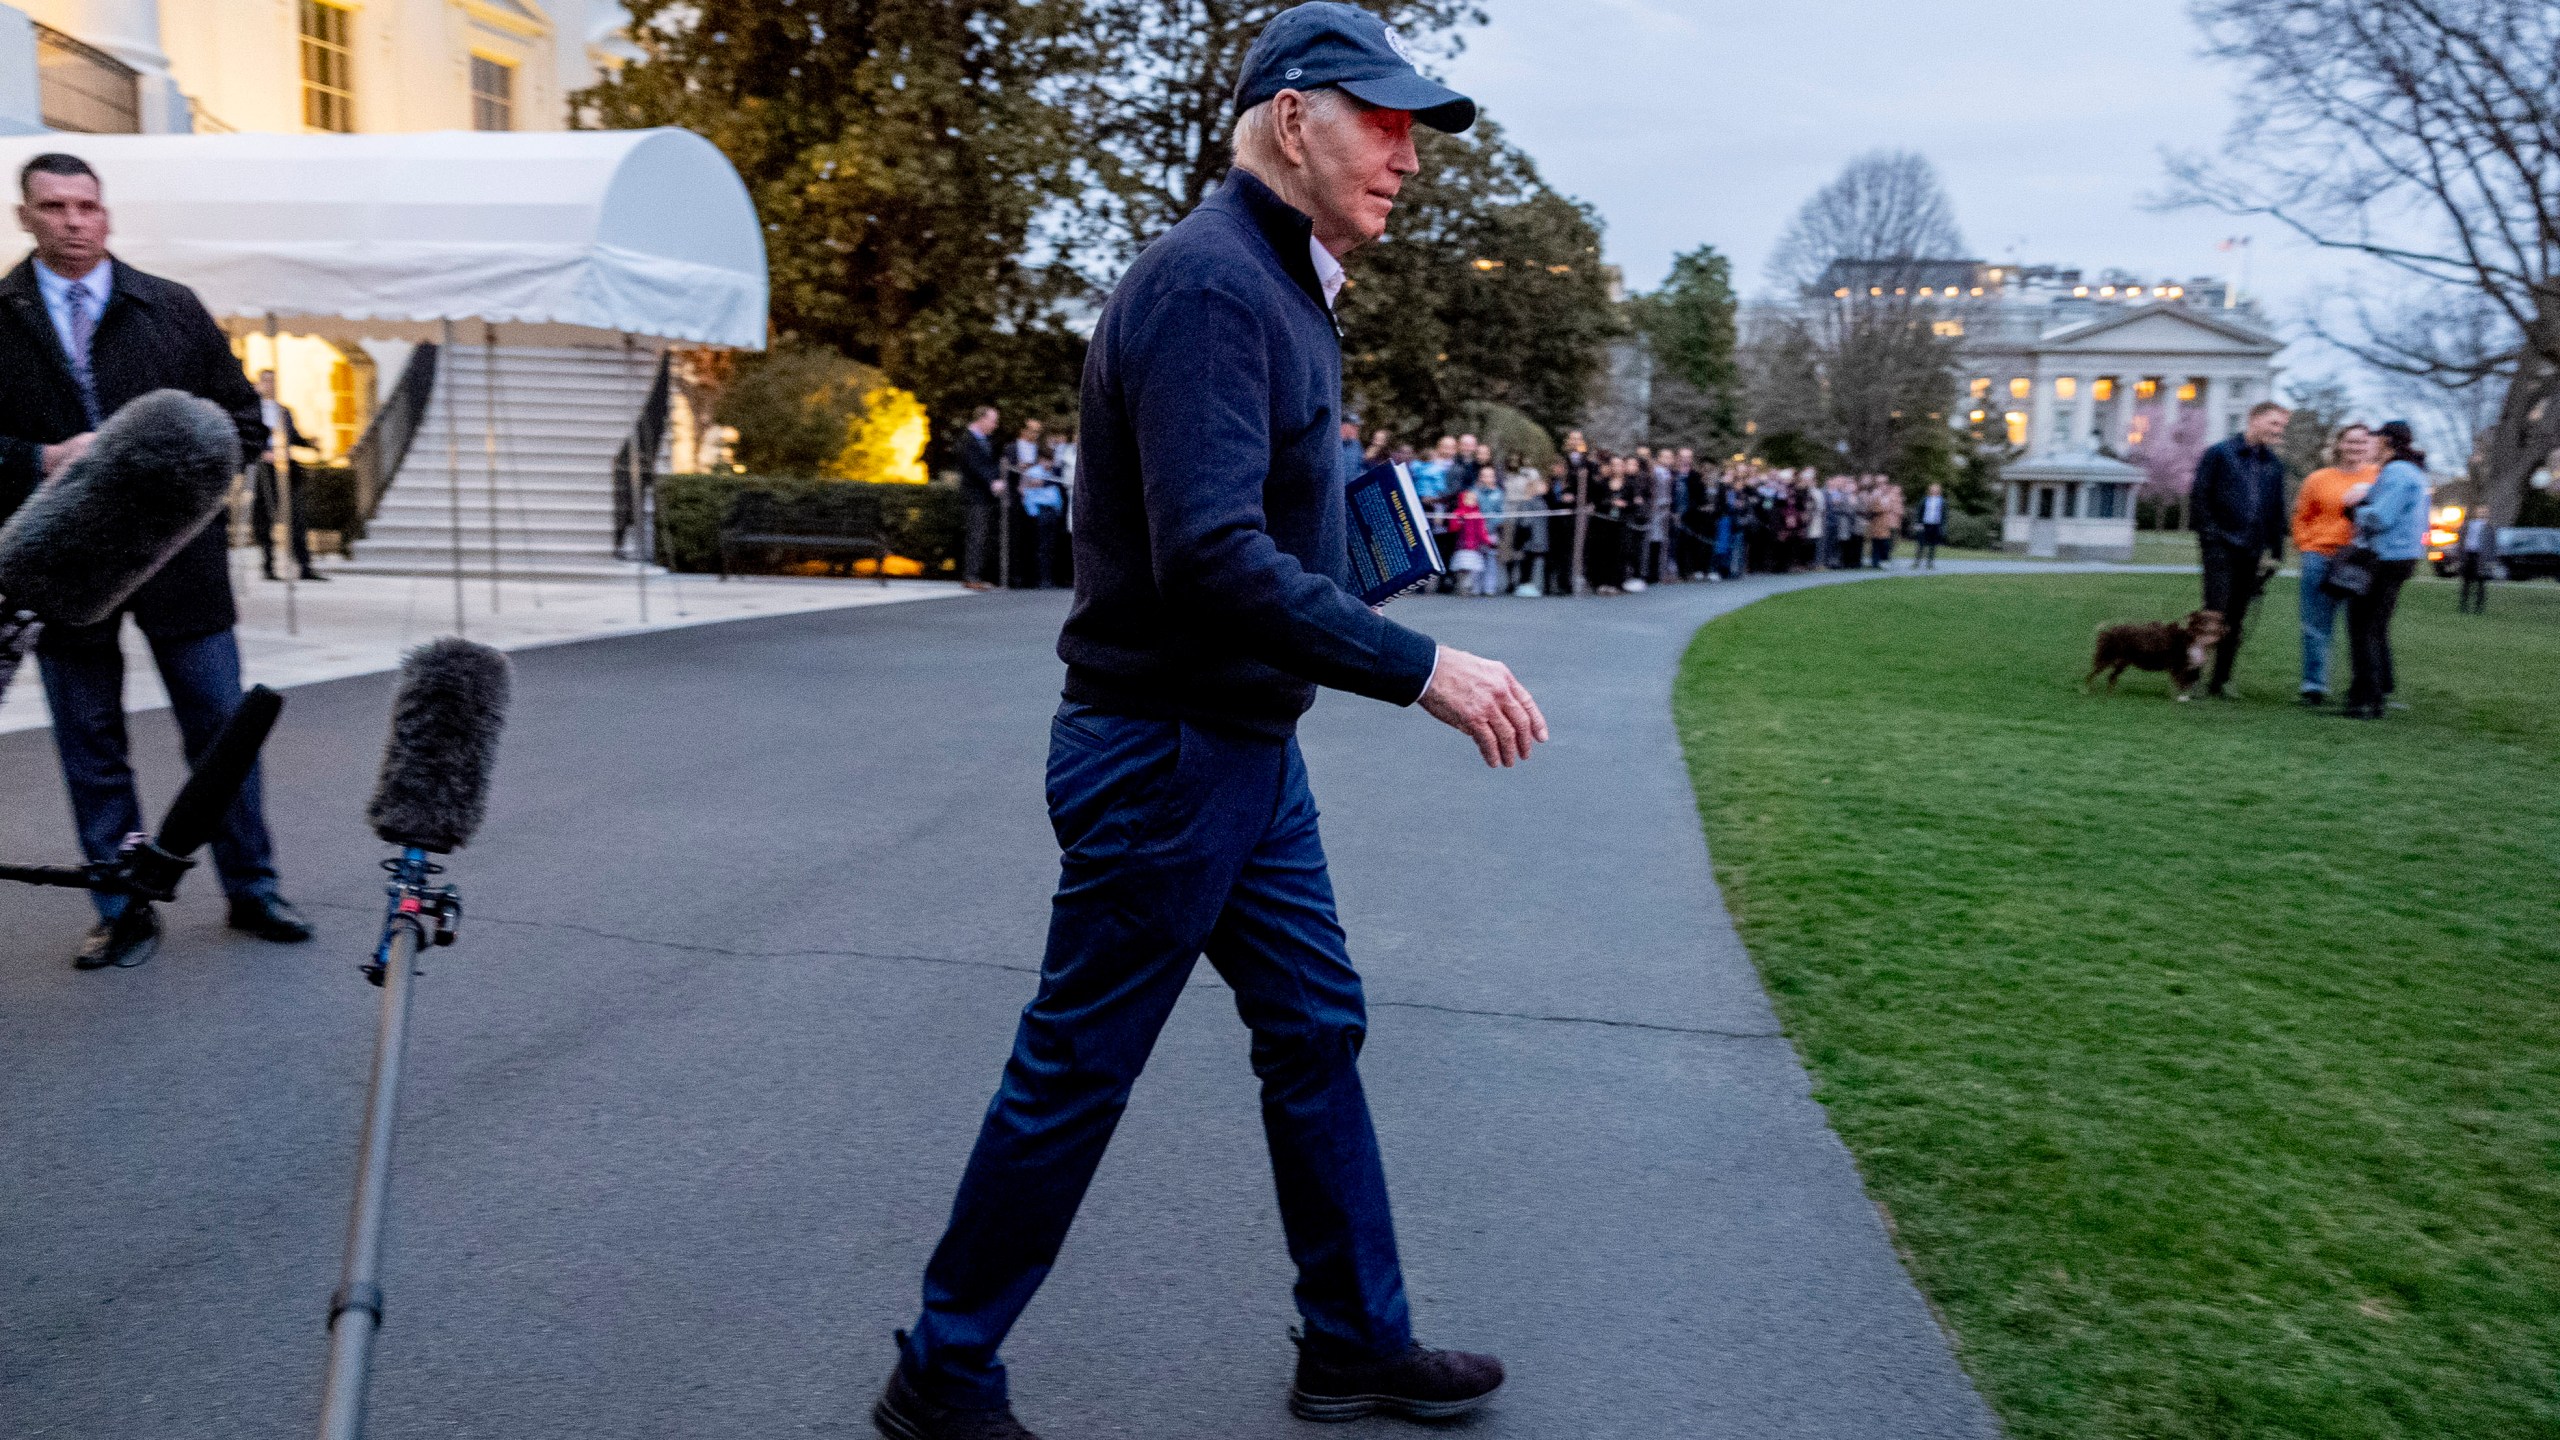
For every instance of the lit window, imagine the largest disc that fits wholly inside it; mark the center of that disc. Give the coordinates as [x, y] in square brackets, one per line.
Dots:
[2021, 388]
[2175, 292]
[2187, 393]
[2017, 421]
[1926, 290]
[2103, 388]
[1981, 387]
[1976, 417]
[1875, 289]
[2148, 389]
[1948, 329]
[1899, 290]
[2106, 292]
[1840, 294]
[1977, 289]
[344, 408]
[85, 89]
[2133, 291]
[328, 68]
[493, 97]
[2067, 388]
[2080, 292]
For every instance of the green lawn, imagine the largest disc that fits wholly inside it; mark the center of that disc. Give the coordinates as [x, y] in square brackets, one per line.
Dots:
[2206, 1056]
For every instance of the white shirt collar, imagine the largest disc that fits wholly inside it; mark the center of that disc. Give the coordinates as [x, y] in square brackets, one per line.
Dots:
[1328, 270]
[55, 287]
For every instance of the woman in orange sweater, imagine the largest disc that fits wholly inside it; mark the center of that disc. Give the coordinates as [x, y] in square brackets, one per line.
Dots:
[2323, 526]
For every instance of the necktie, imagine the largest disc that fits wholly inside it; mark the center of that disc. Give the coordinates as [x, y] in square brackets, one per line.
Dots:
[83, 326]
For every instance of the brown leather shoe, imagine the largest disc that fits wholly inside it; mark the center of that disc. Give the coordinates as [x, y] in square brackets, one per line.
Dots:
[905, 1414]
[1420, 1384]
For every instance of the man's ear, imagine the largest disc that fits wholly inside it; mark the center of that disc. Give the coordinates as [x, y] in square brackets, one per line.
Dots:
[1289, 126]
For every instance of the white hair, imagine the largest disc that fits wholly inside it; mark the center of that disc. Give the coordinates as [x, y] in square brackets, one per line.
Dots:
[1256, 140]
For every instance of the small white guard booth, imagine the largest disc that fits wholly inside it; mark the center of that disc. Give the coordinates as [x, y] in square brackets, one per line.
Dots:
[2076, 508]
[594, 238]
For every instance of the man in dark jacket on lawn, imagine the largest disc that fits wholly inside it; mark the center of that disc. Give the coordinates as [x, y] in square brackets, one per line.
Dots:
[1211, 564]
[2240, 521]
[82, 333]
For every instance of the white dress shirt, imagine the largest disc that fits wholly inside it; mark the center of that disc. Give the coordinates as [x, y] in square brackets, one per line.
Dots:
[1328, 270]
[56, 291]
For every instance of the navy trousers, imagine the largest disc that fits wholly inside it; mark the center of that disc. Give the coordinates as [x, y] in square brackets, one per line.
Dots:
[85, 688]
[1178, 840]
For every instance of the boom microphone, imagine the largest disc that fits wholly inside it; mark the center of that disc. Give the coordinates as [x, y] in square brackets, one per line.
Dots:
[434, 787]
[149, 869]
[157, 472]
[430, 799]
[197, 812]
[159, 469]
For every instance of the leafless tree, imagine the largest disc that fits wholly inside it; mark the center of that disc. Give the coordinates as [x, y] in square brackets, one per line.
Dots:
[1886, 206]
[1851, 273]
[2423, 135]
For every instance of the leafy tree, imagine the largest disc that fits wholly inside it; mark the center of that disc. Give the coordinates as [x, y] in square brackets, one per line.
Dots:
[1155, 99]
[1691, 322]
[1487, 287]
[900, 153]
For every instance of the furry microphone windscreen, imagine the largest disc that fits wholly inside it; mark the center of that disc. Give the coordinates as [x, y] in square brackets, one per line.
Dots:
[157, 473]
[444, 739]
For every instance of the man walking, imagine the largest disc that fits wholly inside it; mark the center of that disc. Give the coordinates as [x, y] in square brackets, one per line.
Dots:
[82, 333]
[2240, 523]
[982, 487]
[1211, 560]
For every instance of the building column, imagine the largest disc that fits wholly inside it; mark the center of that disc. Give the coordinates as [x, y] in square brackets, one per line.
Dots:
[2084, 422]
[2040, 436]
[2171, 407]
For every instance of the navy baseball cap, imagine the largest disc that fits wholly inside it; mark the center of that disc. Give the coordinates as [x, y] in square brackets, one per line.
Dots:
[1320, 43]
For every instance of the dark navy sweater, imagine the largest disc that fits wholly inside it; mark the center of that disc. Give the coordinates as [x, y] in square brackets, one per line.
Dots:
[1211, 553]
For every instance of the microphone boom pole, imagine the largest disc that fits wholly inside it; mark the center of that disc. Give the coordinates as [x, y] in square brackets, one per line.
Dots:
[430, 799]
[420, 915]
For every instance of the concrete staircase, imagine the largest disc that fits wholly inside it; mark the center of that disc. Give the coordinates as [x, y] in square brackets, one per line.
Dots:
[562, 414]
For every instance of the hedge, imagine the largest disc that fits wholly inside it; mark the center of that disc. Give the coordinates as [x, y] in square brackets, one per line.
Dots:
[922, 523]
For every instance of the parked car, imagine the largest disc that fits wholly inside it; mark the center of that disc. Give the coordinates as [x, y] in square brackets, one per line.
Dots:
[2528, 552]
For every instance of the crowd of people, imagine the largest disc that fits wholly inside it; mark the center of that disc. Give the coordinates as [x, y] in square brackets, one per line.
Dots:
[1595, 522]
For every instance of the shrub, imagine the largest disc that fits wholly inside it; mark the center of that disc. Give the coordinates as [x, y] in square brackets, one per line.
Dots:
[922, 523]
[1973, 532]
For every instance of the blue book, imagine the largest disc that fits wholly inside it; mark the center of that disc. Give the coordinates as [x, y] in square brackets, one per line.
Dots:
[1391, 549]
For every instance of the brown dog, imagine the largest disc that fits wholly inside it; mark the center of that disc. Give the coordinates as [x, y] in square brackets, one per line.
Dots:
[2179, 649]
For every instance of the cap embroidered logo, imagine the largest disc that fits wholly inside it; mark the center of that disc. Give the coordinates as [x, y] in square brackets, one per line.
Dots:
[1293, 73]
[1396, 43]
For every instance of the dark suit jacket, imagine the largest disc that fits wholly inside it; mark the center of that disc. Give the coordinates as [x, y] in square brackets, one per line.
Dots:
[2238, 498]
[154, 335]
[978, 470]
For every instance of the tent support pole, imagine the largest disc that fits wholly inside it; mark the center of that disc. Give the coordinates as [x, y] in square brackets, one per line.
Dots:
[489, 439]
[452, 475]
[631, 478]
[281, 468]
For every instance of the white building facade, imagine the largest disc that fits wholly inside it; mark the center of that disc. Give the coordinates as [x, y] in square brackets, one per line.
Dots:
[550, 420]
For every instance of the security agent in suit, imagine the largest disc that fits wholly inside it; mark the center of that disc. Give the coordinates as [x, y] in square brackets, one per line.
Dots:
[2240, 520]
[1212, 558]
[982, 486]
[269, 501]
[82, 333]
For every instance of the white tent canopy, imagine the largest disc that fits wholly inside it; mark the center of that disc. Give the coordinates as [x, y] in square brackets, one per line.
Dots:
[555, 238]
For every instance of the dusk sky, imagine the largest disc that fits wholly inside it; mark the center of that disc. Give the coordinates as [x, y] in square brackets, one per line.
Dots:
[1709, 121]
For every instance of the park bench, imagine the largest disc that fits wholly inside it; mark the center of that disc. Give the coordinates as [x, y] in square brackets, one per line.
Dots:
[758, 520]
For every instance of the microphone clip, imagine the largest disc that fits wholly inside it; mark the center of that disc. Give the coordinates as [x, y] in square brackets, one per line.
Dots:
[143, 870]
[434, 911]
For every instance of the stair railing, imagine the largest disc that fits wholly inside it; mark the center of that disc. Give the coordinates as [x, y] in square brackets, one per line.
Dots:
[635, 470]
[378, 455]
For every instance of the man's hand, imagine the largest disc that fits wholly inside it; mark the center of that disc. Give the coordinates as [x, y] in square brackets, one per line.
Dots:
[57, 458]
[1483, 698]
